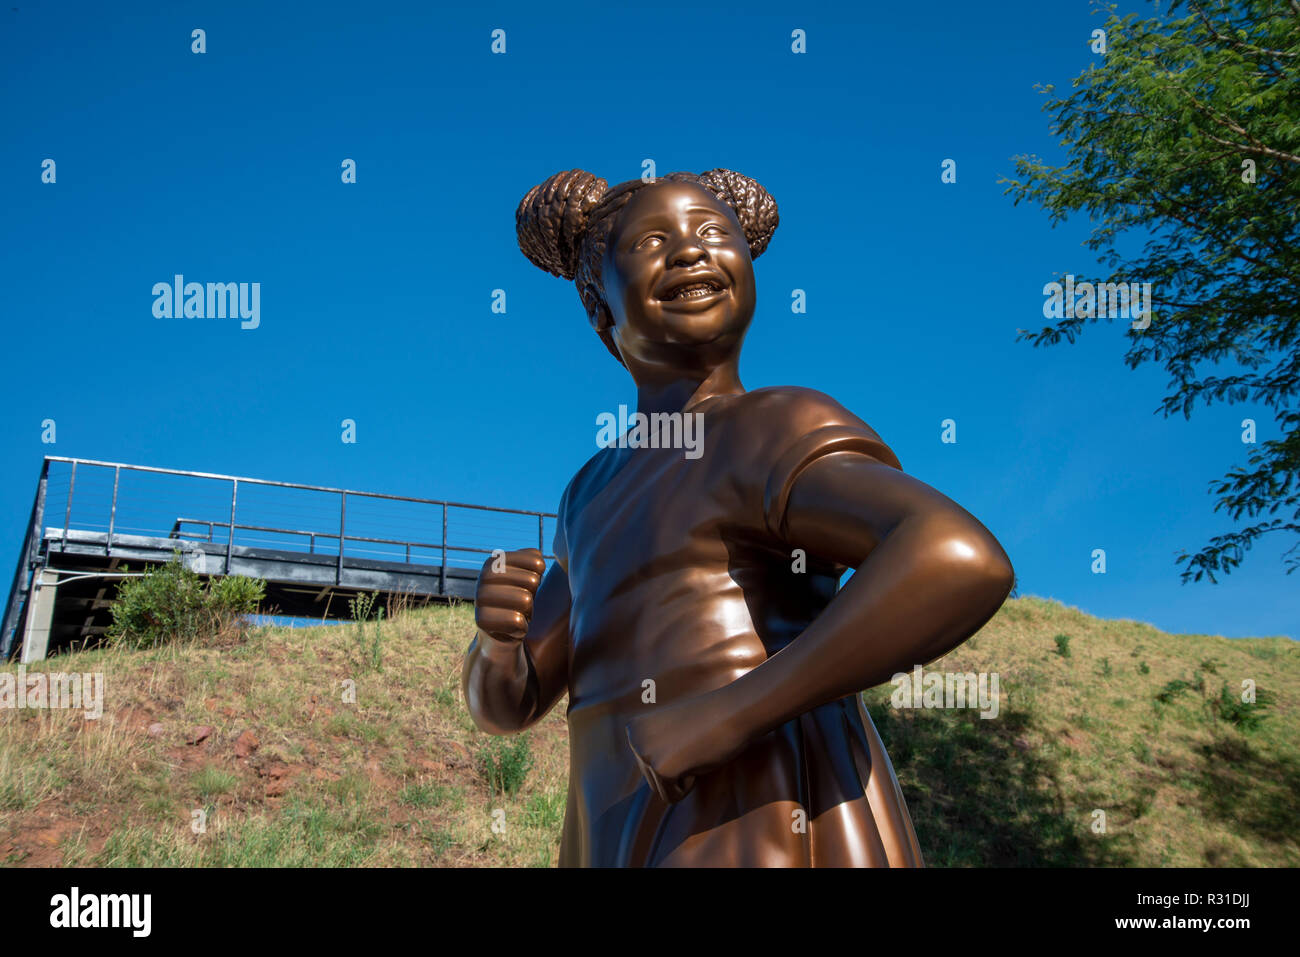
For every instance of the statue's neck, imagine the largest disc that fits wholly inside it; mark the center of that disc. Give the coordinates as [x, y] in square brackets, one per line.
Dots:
[681, 393]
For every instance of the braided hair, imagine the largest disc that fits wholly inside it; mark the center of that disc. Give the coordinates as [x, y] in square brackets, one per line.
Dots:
[564, 223]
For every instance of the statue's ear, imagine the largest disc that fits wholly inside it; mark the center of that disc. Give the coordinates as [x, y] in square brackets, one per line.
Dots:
[607, 337]
[606, 334]
[603, 323]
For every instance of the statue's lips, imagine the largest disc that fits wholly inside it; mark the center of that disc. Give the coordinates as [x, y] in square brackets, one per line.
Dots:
[706, 291]
[689, 281]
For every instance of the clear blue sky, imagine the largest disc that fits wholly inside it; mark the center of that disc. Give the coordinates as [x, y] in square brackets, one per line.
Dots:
[376, 296]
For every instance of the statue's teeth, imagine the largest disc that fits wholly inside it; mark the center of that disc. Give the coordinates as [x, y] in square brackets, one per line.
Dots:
[695, 289]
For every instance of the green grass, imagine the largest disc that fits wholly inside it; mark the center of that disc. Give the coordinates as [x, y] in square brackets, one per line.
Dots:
[1118, 717]
[387, 777]
[210, 782]
[1186, 773]
[504, 763]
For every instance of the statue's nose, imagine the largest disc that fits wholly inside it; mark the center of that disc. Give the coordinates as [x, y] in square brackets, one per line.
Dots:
[688, 253]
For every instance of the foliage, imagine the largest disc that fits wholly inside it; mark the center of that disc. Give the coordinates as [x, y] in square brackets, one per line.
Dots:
[369, 651]
[545, 810]
[505, 762]
[1228, 706]
[1173, 690]
[171, 603]
[1187, 134]
[1246, 715]
[397, 784]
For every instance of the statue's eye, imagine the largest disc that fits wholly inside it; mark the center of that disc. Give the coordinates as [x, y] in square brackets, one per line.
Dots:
[714, 229]
[647, 242]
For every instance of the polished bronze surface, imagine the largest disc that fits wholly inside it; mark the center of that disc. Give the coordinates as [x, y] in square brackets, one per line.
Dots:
[692, 614]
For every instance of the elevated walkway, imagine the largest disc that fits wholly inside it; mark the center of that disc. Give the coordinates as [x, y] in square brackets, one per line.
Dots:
[315, 547]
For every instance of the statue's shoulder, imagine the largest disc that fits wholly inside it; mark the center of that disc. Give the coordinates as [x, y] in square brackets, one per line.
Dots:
[768, 421]
[795, 409]
[789, 398]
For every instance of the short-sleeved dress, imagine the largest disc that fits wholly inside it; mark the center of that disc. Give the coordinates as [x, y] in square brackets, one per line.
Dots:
[679, 574]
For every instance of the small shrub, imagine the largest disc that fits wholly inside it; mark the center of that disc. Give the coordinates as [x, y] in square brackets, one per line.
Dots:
[505, 763]
[170, 603]
[1063, 645]
[1246, 715]
[236, 595]
[1105, 667]
[1144, 669]
[1173, 690]
[369, 651]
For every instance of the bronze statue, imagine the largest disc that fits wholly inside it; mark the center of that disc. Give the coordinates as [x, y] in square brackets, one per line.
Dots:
[693, 614]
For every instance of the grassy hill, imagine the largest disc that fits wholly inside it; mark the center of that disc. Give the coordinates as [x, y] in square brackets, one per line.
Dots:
[1114, 716]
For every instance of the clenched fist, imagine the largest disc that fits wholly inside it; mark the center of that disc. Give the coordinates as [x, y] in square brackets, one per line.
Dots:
[503, 603]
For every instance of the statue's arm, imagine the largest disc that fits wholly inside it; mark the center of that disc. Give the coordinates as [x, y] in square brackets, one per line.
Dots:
[511, 683]
[928, 575]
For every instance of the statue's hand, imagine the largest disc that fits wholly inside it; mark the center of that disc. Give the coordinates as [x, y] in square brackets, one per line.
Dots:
[503, 601]
[675, 743]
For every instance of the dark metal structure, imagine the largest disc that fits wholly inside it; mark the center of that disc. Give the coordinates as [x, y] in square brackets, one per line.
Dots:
[94, 523]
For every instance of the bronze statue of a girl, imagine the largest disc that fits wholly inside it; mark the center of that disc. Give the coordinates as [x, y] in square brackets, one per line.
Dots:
[693, 614]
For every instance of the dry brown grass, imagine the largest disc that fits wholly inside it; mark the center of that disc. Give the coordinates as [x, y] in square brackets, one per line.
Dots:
[393, 779]
[1178, 786]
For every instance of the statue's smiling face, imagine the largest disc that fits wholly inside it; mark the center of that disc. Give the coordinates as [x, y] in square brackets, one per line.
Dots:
[677, 271]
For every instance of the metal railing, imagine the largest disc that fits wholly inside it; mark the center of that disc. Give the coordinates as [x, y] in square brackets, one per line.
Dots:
[335, 533]
[26, 563]
[180, 534]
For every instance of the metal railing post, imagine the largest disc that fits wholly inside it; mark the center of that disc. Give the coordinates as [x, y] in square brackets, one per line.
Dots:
[112, 514]
[442, 572]
[230, 537]
[67, 515]
[27, 559]
[541, 534]
[343, 514]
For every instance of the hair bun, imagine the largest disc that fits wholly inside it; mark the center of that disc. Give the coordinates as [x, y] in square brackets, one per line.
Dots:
[552, 219]
[754, 206]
